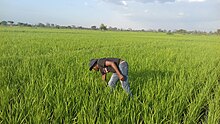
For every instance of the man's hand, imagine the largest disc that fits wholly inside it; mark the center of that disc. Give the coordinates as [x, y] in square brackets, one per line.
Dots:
[121, 77]
[104, 77]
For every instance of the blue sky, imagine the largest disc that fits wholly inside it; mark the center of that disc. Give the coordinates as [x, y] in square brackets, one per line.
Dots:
[201, 15]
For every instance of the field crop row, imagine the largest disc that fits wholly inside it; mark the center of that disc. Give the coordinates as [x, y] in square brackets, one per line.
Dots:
[44, 77]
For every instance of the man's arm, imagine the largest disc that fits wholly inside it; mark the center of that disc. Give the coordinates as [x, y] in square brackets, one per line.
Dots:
[112, 64]
[104, 77]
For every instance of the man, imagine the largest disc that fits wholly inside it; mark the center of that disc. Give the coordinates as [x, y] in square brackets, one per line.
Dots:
[118, 67]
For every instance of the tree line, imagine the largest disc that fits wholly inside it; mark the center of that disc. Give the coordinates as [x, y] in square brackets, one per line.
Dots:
[49, 25]
[104, 27]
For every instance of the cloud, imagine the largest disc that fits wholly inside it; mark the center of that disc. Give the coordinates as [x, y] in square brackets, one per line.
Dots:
[86, 3]
[146, 10]
[125, 2]
[128, 14]
[190, 1]
[167, 14]
[181, 15]
[154, 1]
[117, 2]
[197, 0]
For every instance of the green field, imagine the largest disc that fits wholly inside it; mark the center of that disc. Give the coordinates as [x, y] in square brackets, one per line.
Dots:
[44, 77]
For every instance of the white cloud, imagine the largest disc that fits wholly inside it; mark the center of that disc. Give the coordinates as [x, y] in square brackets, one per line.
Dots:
[86, 3]
[154, 1]
[128, 14]
[190, 1]
[197, 0]
[146, 11]
[180, 14]
[124, 3]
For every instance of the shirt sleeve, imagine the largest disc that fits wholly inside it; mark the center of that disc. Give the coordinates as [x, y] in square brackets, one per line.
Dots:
[101, 62]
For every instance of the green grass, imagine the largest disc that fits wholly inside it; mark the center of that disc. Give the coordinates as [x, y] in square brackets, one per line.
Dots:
[44, 77]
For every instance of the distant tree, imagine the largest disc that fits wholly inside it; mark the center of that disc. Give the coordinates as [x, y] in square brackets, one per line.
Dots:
[129, 29]
[52, 25]
[20, 24]
[160, 30]
[170, 32]
[93, 27]
[4, 23]
[218, 31]
[24, 24]
[41, 25]
[11, 23]
[182, 31]
[79, 27]
[48, 25]
[57, 26]
[28, 25]
[165, 31]
[103, 27]
[73, 26]
[112, 28]
[69, 27]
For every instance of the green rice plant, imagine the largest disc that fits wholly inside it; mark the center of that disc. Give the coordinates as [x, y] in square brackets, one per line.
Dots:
[44, 77]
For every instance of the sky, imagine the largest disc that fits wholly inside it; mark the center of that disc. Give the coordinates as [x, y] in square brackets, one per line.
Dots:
[203, 15]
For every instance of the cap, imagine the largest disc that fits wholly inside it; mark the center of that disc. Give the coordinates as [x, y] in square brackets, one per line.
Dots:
[92, 63]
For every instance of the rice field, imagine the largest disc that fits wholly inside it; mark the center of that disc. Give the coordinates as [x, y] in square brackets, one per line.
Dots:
[45, 77]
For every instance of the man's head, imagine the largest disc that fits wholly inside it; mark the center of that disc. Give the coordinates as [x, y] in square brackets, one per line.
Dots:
[93, 64]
